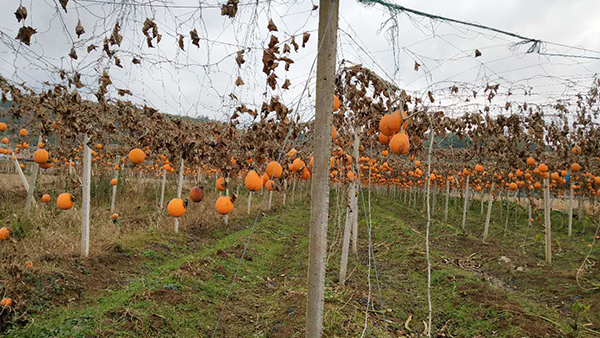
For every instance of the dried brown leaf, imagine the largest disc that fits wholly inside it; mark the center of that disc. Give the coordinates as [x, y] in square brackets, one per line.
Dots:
[195, 38]
[25, 34]
[21, 13]
[79, 30]
[305, 38]
[271, 26]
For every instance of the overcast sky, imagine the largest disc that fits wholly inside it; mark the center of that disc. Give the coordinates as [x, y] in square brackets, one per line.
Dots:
[198, 81]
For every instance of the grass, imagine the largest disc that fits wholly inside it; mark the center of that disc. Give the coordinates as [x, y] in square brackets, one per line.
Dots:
[147, 281]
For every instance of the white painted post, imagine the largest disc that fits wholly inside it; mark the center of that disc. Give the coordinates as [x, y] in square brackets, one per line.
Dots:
[226, 218]
[570, 207]
[113, 201]
[481, 200]
[293, 188]
[489, 212]
[85, 199]
[179, 188]
[249, 201]
[284, 190]
[447, 198]
[548, 225]
[353, 193]
[270, 198]
[21, 175]
[30, 191]
[162, 188]
[466, 202]
[529, 211]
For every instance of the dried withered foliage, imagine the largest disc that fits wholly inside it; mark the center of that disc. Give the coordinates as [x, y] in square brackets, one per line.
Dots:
[502, 141]
[181, 43]
[239, 59]
[79, 30]
[21, 13]
[271, 26]
[151, 25]
[25, 33]
[195, 38]
[230, 8]
[64, 3]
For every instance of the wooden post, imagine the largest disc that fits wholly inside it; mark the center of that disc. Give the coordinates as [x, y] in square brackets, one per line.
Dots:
[319, 203]
[85, 199]
[466, 203]
[270, 198]
[489, 212]
[179, 188]
[548, 224]
[162, 188]
[446, 203]
[113, 201]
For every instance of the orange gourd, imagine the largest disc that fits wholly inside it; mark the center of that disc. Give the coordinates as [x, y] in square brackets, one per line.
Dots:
[253, 181]
[46, 198]
[6, 302]
[575, 167]
[64, 201]
[274, 169]
[176, 207]
[23, 132]
[400, 144]
[137, 156]
[224, 205]
[4, 234]
[306, 174]
[114, 181]
[40, 156]
[221, 185]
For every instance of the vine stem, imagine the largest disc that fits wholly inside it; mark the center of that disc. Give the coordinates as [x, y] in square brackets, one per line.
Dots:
[431, 136]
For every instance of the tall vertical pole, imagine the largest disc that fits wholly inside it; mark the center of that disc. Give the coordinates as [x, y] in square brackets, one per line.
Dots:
[570, 207]
[353, 196]
[113, 200]
[162, 187]
[85, 200]
[34, 176]
[488, 216]
[548, 225]
[319, 204]
[466, 203]
[179, 188]
[447, 198]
